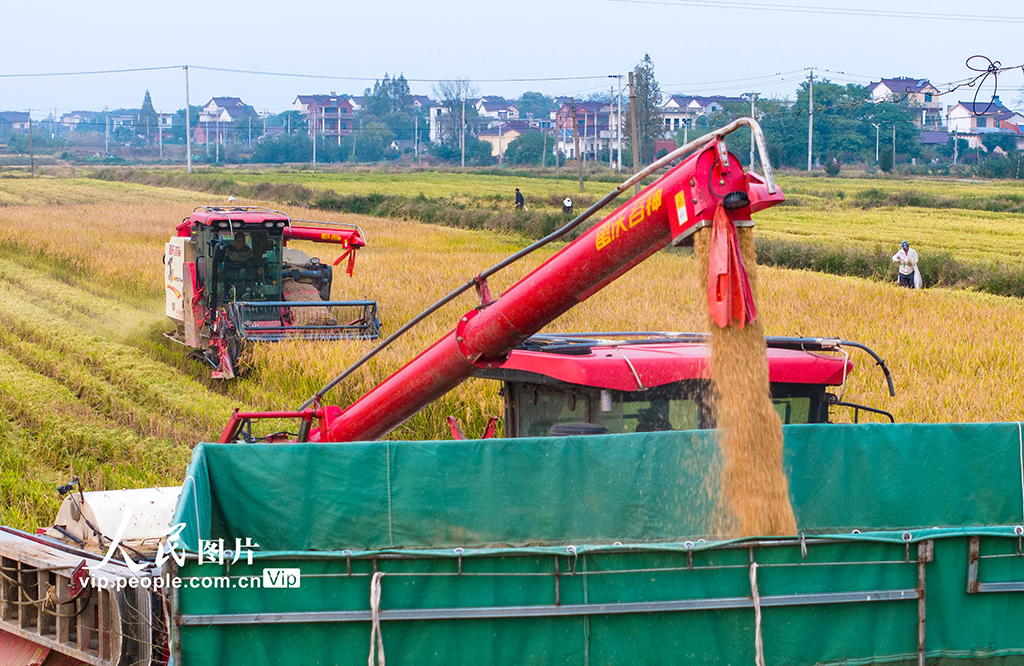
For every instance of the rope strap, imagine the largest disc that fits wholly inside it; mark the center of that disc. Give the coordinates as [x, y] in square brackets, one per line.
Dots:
[758, 642]
[376, 638]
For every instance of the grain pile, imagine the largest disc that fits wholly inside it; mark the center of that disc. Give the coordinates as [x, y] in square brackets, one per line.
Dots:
[754, 483]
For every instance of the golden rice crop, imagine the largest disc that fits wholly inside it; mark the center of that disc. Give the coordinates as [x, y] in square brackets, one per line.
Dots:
[96, 266]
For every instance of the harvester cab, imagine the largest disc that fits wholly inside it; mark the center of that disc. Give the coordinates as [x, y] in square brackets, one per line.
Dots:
[623, 382]
[231, 279]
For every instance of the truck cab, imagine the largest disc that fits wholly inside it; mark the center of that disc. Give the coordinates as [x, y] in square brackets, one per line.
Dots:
[644, 382]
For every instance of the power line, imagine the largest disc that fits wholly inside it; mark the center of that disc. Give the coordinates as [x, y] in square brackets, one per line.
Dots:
[844, 11]
[99, 71]
[372, 79]
[749, 78]
[293, 75]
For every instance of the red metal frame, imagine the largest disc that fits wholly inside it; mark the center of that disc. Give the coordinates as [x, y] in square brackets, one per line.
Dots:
[657, 364]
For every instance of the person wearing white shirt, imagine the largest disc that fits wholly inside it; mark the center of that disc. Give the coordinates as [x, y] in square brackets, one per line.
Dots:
[909, 275]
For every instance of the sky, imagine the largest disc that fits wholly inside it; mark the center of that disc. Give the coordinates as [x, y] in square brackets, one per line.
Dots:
[698, 47]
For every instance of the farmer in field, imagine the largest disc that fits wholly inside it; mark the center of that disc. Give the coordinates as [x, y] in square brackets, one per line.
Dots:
[520, 201]
[909, 275]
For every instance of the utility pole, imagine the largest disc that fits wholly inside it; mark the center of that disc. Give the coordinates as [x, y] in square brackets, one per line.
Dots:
[499, 141]
[810, 124]
[618, 125]
[586, 135]
[462, 136]
[753, 116]
[216, 140]
[634, 137]
[314, 138]
[611, 109]
[894, 146]
[31, 152]
[106, 131]
[250, 131]
[416, 140]
[188, 126]
[576, 140]
[878, 127]
[955, 147]
[160, 138]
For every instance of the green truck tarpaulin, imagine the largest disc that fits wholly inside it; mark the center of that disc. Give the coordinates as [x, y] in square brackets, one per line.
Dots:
[576, 523]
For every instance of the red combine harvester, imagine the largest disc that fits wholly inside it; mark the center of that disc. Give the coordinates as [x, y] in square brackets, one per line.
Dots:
[232, 279]
[708, 189]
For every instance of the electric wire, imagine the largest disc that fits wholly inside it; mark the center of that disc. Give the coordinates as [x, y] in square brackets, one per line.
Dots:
[842, 11]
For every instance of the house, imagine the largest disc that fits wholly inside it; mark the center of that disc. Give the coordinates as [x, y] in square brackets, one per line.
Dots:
[921, 96]
[436, 110]
[218, 118]
[403, 145]
[118, 120]
[971, 120]
[981, 116]
[327, 115]
[501, 134]
[595, 122]
[679, 110]
[83, 121]
[223, 110]
[498, 108]
[422, 102]
[15, 122]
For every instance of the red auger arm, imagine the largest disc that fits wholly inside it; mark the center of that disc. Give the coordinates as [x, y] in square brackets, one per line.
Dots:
[668, 211]
[350, 237]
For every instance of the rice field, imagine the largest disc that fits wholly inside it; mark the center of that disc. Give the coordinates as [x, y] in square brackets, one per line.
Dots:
[89, 386]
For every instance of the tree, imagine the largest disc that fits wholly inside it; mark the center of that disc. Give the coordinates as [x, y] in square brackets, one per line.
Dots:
[1007, 143]
[147, 118]
[372, 139]
[388, 96]
[961, 149]
[454, 95]
[527, 148]
[535, 104]
[648, 109]
[885, 159]
[283, 148]
[833, 165]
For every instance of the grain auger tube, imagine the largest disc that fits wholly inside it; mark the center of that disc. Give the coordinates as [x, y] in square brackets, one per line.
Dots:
[709, 181]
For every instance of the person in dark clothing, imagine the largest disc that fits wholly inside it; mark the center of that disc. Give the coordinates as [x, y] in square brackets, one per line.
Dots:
[520, 201]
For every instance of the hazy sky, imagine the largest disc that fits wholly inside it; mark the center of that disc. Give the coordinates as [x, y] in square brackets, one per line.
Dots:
[695, 49]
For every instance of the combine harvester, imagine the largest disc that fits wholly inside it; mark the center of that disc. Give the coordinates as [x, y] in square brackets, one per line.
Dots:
[231, 279]
[590, 549]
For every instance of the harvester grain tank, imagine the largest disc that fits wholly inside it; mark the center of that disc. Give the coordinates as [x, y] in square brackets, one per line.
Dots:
[231, 280]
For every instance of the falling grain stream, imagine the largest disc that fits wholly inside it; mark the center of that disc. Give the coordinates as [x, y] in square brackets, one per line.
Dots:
[754, 483]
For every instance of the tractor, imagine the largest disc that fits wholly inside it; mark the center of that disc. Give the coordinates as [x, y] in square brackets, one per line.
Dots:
[231, 280]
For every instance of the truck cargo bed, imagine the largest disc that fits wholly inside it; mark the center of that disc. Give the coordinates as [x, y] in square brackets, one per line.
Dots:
[608, 550]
